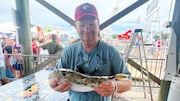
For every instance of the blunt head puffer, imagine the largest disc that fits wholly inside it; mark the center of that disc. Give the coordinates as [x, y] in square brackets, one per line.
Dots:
[82, 79]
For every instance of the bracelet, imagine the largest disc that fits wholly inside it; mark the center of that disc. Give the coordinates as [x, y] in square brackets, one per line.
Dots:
[116, 87]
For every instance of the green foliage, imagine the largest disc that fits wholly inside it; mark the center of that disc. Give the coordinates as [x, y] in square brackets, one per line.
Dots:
[114, 36]
[48, 29]
[156, 37]
[164, 36]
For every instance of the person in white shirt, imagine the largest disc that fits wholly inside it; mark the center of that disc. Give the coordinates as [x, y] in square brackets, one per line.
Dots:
[3, 79]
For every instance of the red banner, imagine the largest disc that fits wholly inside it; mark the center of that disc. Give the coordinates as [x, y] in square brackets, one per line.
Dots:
[40, 33]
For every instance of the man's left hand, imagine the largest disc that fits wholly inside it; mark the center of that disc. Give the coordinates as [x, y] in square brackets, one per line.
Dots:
[105, 89]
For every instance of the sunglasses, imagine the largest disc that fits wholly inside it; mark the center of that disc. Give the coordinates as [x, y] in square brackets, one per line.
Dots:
[85, 63]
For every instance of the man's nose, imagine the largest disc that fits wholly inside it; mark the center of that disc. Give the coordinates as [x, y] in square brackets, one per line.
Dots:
[86, 27]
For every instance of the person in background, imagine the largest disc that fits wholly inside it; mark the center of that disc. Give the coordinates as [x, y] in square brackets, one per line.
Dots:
[136, 51]
[59, 37]
[8, 50]
[5, 41]
[36, 51]
[34, 46]
[154, 49]
[16, 48]
[91, 56]
[71, 40]
[3, 79]
[52, 46]
[158, 46]
[13, 62]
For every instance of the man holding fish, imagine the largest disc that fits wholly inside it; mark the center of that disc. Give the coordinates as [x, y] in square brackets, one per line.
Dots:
[91, 59]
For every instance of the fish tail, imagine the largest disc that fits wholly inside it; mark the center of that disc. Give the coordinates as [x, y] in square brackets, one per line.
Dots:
[121, 76]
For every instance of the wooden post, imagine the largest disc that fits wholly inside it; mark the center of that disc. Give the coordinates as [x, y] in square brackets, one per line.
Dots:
[165, 84]
[23, 24]
[164, 90]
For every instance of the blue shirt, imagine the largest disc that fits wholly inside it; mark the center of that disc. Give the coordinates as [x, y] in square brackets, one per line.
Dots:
[104, 60]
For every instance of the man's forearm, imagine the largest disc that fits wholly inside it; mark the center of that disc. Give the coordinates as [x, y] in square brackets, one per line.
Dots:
[40, 45]
[123, 85]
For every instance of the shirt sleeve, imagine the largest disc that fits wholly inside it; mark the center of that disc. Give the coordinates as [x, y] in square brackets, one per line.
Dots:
[118, 63]
[63, 60]
[68, 58]
[44, 46]
[58, 47]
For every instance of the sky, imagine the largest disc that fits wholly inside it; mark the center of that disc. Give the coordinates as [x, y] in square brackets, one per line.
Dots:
[42, 17]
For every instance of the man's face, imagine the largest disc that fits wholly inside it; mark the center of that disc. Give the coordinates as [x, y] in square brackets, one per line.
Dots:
[88, 29]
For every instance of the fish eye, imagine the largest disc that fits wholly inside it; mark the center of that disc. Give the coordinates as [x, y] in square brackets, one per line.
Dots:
[64, 73]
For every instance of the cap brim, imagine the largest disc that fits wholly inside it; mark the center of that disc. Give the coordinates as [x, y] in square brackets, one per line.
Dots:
[86, 14]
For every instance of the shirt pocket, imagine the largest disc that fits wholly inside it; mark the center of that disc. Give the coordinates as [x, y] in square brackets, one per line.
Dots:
[103, 67]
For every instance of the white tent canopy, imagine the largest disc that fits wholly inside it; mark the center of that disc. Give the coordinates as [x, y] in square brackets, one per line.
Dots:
[7, 26]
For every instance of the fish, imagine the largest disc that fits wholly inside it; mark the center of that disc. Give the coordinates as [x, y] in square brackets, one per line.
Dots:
[81, 82]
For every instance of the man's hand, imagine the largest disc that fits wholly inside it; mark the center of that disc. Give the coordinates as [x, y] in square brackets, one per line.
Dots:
[105, 89]
[62, 87]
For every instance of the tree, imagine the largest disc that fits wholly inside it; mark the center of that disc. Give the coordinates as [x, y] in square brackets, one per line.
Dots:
[156, 37]
[164, 36]
[114, 36]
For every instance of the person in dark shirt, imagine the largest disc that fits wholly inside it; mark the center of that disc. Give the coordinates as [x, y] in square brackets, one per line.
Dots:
[52, 47]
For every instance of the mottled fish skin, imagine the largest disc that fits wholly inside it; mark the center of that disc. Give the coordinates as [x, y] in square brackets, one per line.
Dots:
[78, 78]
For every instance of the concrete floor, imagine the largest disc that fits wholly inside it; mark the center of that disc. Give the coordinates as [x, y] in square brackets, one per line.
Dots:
[137, 94]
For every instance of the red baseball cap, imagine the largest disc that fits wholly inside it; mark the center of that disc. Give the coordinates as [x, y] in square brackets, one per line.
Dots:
[84, 10]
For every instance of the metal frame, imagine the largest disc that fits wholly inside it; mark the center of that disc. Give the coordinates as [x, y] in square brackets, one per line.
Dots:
[103, 25]
[173, 56]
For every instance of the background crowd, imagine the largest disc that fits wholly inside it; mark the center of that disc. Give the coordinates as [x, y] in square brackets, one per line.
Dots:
[11, 60]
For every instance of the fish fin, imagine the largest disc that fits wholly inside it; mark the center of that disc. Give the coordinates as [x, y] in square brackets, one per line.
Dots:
[121, 76]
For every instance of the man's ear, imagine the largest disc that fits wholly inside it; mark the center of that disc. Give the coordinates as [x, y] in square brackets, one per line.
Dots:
[99, 29]
[98, 24]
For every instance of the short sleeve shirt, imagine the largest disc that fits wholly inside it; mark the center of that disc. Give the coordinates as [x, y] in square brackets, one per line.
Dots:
[52, 47]
[103, 60]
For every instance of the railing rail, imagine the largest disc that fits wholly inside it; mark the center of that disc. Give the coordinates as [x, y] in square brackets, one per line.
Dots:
[155, 66]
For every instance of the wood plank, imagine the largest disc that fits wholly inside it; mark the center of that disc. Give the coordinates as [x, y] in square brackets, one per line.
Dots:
[138, 67]
[49, 60]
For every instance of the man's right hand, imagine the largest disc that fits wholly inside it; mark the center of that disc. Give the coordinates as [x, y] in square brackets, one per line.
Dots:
[60, 87]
